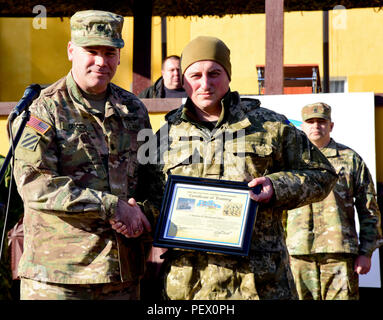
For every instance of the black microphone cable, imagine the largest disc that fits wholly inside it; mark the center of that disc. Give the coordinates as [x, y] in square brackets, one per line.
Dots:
[9, 189]
[30, 94]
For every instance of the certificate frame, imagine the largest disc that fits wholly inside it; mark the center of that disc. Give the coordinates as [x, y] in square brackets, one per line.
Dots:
[199, 214]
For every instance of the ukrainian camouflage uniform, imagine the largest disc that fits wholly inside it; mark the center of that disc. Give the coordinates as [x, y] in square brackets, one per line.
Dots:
[328, 226]
[71, 178]
[274, 148]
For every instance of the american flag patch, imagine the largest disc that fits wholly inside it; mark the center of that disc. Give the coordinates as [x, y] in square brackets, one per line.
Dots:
[38, 125]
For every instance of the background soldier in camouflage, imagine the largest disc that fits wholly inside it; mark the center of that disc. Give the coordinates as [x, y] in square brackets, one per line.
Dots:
[321, 237]
[78, 173]
[218, 135]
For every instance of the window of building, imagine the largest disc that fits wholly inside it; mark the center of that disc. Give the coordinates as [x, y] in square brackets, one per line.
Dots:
[338, 84]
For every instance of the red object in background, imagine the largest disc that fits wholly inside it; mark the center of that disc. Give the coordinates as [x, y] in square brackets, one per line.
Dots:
[16, 246]
[298, 78]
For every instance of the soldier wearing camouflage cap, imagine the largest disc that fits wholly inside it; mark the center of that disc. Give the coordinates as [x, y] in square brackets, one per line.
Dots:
[218, 135]
[326, 254]
[96, 28]
[319, 110]
[88, 205]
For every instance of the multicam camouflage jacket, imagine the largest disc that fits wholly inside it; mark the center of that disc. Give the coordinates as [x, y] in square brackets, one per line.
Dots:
[247, 142]
[329, 226]
[71, 168]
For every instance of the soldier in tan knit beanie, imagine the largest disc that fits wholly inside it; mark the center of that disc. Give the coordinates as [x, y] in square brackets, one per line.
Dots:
[206, 74]
[206, 48]
[218, 135]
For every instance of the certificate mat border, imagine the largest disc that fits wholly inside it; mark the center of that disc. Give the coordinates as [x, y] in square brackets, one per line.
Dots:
[161, 241]
[179, 186]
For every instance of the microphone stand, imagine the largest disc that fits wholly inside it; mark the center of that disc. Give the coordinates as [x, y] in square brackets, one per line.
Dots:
[7, 159]
[31, 93]
[25, 119]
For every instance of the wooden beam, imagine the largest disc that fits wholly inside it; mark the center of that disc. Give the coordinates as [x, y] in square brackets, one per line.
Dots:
[6, 108]
[142, 40]
[164, 39]
[274, 47]
[153, 105]
[162, 105]
[326, 68]
[163, 8]
[156, 105]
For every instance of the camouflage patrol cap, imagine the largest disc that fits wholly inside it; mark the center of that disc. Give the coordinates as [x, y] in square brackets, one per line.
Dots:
[316, 110]
[96, 28]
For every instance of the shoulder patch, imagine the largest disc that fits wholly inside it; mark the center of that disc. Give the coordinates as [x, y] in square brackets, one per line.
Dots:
[29, 141]
[38, 125]
[288, 123]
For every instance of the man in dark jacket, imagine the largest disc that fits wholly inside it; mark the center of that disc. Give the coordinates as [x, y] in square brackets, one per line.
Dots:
[169, 84]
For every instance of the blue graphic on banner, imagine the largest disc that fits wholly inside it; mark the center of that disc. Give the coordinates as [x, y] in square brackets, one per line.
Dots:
[296, 123]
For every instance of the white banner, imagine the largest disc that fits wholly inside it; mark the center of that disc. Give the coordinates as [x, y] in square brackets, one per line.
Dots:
[353, 115]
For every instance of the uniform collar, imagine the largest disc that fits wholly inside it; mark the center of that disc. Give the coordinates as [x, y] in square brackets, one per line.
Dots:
[188, 111]
[331, 149]
[231, 113]
[112, 105]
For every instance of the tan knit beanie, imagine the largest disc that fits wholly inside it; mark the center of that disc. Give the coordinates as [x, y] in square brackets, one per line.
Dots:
[206, 48]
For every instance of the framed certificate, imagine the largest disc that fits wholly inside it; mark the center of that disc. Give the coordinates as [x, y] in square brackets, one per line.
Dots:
[207, 215]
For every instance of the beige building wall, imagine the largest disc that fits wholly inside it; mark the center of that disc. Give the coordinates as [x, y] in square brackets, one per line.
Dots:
[39, 55]
[31, 55]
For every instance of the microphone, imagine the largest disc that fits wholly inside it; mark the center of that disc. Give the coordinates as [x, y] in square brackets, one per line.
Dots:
[30, 94]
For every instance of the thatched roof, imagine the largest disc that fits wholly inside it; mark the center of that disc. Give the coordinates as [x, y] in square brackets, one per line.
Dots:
[61, 8]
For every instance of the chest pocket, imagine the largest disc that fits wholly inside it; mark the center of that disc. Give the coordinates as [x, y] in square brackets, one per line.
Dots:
[184, 158]
[123, 162]
[257, 158]
[343, 183]
[126, 159]
[80, 159]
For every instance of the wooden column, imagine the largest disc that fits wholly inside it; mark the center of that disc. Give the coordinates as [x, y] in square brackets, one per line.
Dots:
[274, 47]
[164, 39]
[326, 77]
[142, 40]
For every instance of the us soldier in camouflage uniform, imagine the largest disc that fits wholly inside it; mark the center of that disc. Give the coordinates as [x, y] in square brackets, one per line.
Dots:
[321, 237]
[218, 135]
[78, 172]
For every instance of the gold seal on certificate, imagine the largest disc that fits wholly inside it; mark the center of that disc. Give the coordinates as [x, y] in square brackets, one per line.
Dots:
[206, 214]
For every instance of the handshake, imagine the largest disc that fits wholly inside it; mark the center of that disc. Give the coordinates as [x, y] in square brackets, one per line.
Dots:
[129, 220]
